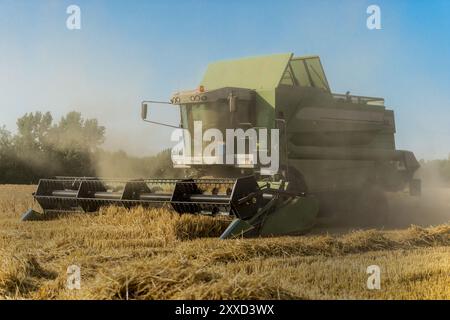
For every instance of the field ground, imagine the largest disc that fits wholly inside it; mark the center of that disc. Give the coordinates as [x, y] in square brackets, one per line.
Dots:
[155, 254]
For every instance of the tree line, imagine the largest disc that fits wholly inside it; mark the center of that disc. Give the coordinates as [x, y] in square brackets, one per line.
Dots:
[43, 147]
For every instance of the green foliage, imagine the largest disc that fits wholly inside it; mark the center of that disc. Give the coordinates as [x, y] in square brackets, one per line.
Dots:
[6, 159]
[75, 133]
[42, 148]
[33, 129]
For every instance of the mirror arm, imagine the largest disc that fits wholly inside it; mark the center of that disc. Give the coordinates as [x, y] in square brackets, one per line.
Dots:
[163, 124]
[161, 102]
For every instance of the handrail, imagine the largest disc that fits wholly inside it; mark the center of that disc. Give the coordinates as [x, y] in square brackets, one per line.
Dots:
[357, 99]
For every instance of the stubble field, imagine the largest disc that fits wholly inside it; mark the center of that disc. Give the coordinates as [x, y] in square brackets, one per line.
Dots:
[156, 254]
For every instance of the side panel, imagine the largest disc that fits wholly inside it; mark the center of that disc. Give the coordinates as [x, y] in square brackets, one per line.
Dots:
[315, 118]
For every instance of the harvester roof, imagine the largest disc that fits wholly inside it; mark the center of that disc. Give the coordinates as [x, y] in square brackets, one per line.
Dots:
[262, 72]
[265, 72]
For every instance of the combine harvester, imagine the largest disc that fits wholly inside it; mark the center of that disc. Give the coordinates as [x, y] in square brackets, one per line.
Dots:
[332, 147]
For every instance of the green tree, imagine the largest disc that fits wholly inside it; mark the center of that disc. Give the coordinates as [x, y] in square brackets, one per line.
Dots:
[75, 133]
[73, 141]
[33, 130]
[42, 148]
[6, 155]
[5, 139]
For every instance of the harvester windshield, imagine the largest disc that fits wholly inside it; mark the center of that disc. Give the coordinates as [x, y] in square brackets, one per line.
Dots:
[202, 116]
[217, 114]
[211, 114]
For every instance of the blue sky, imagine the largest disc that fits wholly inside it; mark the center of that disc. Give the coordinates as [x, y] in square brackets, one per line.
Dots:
[128, 51]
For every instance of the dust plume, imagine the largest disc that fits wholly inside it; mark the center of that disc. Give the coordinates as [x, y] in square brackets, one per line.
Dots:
[121, 165]
[433, 206]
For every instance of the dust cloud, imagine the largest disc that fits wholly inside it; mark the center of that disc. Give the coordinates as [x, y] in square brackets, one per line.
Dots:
[121, 165]
[431, 208]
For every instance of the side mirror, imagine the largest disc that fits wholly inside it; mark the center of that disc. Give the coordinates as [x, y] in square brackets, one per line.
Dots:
[232, 102]
[144, 111]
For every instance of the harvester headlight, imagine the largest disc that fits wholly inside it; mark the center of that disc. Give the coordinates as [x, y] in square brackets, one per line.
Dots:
[192, 98]
[204, 98]
[197, 98]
